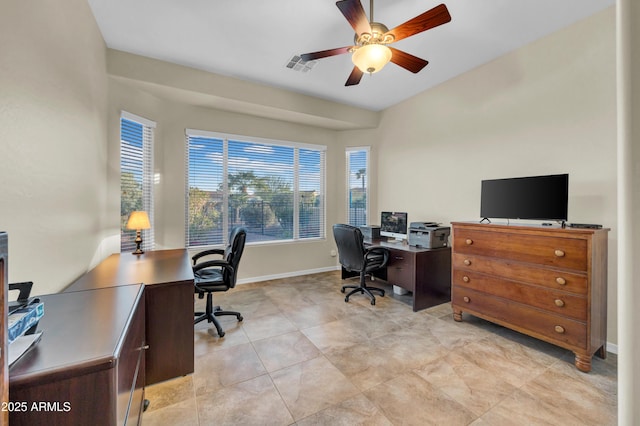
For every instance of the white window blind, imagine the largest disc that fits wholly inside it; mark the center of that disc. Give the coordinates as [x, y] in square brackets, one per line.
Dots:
[358, 185]
[136, 177]
[274, 189]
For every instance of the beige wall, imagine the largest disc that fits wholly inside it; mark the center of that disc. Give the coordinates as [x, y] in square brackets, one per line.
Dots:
[53, 99]
[547, 108]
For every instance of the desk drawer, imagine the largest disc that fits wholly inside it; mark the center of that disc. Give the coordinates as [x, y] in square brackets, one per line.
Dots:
[131, 366]
[553, 328]
[401, 269]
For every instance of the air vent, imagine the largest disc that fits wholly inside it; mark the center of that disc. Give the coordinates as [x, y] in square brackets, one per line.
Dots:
[297, 64]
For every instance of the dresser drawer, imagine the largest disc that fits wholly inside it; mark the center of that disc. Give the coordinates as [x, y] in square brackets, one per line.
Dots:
[558, 302]
[401, 270]
[553, 328]
[559, 252]
[563, 280]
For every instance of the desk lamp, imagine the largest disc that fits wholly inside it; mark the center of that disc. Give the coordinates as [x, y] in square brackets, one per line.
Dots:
[138, 220]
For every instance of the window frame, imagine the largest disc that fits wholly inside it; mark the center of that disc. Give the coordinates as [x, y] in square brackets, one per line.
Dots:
[296, 146]
[148, 133]
[348, 152]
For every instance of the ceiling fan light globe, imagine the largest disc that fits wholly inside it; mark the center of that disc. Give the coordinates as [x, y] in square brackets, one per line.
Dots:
[371, 58]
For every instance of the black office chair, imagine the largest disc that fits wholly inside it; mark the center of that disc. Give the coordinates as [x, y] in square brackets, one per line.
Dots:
[218, 275]
[355, 257]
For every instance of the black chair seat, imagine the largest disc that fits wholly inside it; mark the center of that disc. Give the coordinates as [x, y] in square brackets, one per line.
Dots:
[210, 280]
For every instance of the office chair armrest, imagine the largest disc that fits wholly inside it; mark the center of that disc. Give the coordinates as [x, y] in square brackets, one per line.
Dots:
[213, 263]
[197, 256]
[377, 250]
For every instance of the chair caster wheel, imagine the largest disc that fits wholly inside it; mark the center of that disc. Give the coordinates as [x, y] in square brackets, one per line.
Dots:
[240, 318]
[221, 334]
[342, 289]
[373, 302]
[346, 299]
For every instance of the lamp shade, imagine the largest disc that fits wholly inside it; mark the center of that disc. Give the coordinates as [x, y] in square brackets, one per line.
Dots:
[371, 57]
[138, 220]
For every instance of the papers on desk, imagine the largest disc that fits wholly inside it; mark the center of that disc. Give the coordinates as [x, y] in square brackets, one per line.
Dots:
[22, 324]
[24, 320]
[21, 345]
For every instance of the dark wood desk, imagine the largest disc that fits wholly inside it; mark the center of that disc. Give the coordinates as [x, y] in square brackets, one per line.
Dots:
[88, 367]
[168, 279]
[424, 272]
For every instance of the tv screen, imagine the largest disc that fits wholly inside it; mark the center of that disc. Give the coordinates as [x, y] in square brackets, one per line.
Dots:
[393, 224]
[534, 197]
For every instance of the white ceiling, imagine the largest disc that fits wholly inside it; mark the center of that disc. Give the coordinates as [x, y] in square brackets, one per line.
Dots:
[254, 39]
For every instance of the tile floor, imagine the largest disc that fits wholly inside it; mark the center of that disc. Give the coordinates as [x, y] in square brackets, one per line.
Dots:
[303, 356]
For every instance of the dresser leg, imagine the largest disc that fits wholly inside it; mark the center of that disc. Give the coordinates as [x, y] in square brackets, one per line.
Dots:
[457, 314]
[583, 363]
[602, 352]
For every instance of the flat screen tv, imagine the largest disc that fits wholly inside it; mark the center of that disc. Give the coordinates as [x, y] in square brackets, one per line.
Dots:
[534, 197]
[394, 225]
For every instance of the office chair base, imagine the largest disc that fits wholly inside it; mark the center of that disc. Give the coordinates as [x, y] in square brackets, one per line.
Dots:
[363, 290]
[213, 312]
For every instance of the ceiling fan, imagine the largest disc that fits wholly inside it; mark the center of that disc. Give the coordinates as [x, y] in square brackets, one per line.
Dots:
[371, 51]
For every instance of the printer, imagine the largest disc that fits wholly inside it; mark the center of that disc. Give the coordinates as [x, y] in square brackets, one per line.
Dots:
[428, 235]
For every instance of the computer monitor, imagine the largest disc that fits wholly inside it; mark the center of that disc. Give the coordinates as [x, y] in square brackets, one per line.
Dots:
[394, 225]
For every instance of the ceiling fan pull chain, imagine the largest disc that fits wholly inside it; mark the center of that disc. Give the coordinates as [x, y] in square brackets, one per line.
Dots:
[371, 11]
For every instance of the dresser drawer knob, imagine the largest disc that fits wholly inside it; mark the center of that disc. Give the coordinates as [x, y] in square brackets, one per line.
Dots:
[468, 241]
[559, 329]
[559, 303]
[561, 281]
[559, 253]
[466, 299]
[465, 279]
[467, 262]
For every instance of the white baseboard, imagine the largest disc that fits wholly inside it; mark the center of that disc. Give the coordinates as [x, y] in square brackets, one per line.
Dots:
[287, 275]
[612, 347]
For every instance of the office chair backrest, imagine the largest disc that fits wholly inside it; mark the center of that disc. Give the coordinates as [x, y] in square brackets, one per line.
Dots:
[233, 253]
[350, 242]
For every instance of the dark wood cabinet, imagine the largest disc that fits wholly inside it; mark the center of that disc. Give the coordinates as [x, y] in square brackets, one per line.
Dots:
[426, 273]
[88, 367]
[401, 269]
[169, 289]
[547, 282]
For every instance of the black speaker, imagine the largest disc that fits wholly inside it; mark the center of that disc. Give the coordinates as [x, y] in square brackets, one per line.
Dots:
[371, 232]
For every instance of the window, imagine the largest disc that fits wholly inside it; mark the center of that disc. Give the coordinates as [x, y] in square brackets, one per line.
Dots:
[136, 177]
[274, 189]
[358, 185]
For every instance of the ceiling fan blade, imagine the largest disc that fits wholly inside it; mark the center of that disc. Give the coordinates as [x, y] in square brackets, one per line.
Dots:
[354, 77]
[407, 61]
[354, 12]
[324, 53]
[431, 18]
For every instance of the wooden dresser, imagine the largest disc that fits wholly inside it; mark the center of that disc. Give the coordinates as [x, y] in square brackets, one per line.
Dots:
[546, 282]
